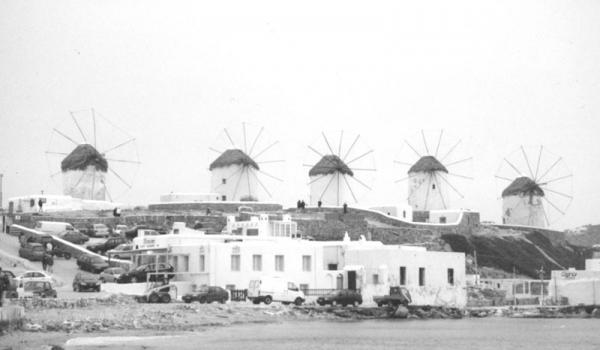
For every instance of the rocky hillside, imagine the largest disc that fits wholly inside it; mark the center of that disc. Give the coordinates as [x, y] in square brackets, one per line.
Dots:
[585, 236]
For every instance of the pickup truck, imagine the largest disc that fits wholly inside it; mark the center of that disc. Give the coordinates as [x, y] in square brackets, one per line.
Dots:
[397, 296]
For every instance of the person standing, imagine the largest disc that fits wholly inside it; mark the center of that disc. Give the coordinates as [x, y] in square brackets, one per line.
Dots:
[50, 263]
[4, 284]
[45, 261]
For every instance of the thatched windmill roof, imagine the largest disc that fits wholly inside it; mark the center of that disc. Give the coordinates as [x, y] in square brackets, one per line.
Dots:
[83, 156]
[523, 185]
[330, 164]
[427, 164]
[233, 157]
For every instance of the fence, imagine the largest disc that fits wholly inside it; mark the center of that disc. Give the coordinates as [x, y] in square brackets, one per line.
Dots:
[317, 292]
[238, 294]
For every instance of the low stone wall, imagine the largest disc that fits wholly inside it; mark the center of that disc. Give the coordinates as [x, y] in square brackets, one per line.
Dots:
[225, 207]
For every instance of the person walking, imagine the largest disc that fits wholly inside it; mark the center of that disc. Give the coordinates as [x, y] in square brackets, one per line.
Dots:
[45, 262]
[50, 263]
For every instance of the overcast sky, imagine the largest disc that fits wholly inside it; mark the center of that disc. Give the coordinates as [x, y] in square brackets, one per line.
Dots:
[497, 74]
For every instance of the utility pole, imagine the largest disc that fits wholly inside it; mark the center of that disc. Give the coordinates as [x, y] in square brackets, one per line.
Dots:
[541, 273]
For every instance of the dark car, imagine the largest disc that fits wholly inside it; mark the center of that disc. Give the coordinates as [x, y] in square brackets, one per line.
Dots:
[160, 294]
[109, 244]
[91, 263]
[32, 251]
[75, 237]
[342, 297]
[38, 289]
[132, 232]
[140, 273]
[86, 281]
[61, 251]
[207, 294]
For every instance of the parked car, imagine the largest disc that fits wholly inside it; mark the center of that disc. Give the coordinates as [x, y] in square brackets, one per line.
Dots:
[133, 232]
[160, 294]
[54, 227]
[11, 290]
[111, 274]
[86, 281]
[342, 297]
[61, 251]
[122, 251]
[268, 289]
[33, 276]
[40, 289]
[92, 263]
[397, 296]
[26, 237]
[110, 243]
[120, 230]
[140, 273]
[32, 251]
[206, 294]
[100, 230]
[75, 237]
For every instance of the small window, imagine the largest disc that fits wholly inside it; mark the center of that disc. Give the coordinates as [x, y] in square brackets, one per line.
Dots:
[257, 262]
[223, 181]
[332, 267]
[292, 286]
[421, 276]
[202, 266]
[375, 278]
[279, 263]
[223, 197]
[306, 263]
[433, 187]
[402, 275]
[451, 277]
[303, 287]
[235, 262]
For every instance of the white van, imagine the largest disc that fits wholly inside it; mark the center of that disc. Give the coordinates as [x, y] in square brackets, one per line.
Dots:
[53, 227]
[268, 289]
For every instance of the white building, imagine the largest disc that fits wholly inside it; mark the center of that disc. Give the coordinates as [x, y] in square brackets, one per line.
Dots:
[522, 203]
[55, 203]
[427, 185]
[84, 173]
[263, 247]
[577, 287]
[233, 176]
[189, 197]
[328, 183]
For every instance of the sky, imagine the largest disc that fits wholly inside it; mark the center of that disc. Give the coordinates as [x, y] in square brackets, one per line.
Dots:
[174, 74]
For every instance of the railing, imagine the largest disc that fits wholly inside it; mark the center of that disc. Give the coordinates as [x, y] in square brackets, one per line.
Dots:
[238, 294]
[317, 292]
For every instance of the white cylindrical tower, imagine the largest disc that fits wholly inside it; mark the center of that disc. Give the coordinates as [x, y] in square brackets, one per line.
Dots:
[327, 182]
[427, 185]
[522, 203]
[233, 176]
[84, 173]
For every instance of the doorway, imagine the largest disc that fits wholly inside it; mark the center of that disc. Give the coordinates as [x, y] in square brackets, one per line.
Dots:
[352, 280]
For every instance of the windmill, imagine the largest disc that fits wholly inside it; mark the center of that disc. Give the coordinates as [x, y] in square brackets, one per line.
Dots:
[434, 170]
[248, 164]
[537, 187]
[334, 172]
[96, 159]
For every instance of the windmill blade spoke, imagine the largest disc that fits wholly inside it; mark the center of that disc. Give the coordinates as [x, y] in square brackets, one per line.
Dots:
[80, 178]
[57, 153]
[546, 218]
[556, 179]
[402, 179]
[425, 141]
[271, 161]
[527, 161]
[519, 172]
[119, 177]
[363, 169]
[229, 137]
[106, 190]
[437, 182]
[340, 146]
[94, 120]
[428, 189]
[403, 163]
[56, 173]
[414, 150]
[78, 127]
[537, 167]
[461, 176]
[458, 162]
[255, 139]
[554, 206]
[503, 178]
[119, 145]
[558, 193]
[266, 149]
[261, 184]
[237, 184]
[317, 179]
[245, 145]
[269, 175]
[215, 150]
[349, 188]
[360, 182]
[65, 136]
[248, 178]
[124, 161]
[338, 189]
[451, 150]
[317, 152]
[350, 149]
[327, 143]
[359, 157]
[549, 169]
[326, 187]
[452, 187]
[439, 143]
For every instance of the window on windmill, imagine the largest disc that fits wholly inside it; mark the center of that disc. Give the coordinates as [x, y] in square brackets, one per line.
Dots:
[433, 187]
[223, 181]
[223, 197]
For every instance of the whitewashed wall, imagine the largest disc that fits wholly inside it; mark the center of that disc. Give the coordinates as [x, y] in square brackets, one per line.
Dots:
[422, 195]
[523, 210]
[246, 184]
[85, 184]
